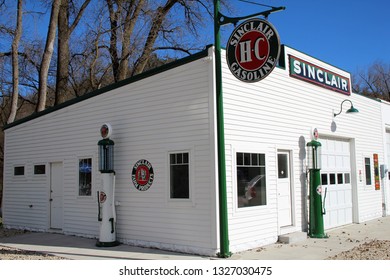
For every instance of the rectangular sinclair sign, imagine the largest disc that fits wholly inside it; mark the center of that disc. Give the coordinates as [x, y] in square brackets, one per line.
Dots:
[308, 72]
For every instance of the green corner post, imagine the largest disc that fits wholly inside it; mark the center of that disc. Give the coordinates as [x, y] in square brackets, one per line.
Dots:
[220, 20]
[223, 213]
[316, 211]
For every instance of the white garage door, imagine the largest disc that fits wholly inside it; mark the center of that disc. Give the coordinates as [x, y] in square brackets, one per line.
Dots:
[336, 179]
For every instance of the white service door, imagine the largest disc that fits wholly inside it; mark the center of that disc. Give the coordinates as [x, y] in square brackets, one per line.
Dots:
[336, 182]
[56, 193]
[284, 190]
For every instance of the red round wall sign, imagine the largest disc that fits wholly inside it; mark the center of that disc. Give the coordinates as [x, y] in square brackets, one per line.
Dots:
[142, 175]
[252, 50]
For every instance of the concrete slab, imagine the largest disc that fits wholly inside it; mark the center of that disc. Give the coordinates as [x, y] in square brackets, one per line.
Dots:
[78, 248]
[292, 238]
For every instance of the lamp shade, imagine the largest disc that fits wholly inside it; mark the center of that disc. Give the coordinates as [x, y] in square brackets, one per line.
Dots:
[352, 110]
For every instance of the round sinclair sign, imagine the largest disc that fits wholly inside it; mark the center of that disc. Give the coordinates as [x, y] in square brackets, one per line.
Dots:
[252, 51]
[142, 175]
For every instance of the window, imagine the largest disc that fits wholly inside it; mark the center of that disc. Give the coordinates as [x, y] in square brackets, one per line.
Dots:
[340, 178]
[179, 175]
[39, 169]
[324, 179]
[332, 179]
[347, 178]
[282, 165]
[367, 166]
[19, 170]
[251, 183]
[85, 177]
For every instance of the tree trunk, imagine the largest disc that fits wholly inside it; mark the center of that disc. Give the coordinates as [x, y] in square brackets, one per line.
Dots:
[114, 15]
[153, 33]
[15, 63]
[131, 19]
[63, 56]
[48, 52]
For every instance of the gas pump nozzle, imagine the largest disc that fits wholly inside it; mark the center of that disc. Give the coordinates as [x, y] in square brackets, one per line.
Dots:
[323, 202]
[99, 207]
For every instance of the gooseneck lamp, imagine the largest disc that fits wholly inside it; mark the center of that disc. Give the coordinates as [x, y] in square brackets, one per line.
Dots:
[350, 110]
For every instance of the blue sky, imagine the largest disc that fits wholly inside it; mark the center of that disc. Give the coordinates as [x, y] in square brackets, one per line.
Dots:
[349, 34]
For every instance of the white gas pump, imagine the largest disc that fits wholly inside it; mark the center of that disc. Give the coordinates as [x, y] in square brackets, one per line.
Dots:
[105, 196]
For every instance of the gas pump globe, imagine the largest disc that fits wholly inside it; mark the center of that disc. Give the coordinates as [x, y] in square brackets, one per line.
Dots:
[316, 211]
[106, 156]
[314, 154]
[105, 196]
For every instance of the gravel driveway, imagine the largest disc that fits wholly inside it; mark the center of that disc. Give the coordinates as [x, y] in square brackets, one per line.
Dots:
[7, 253]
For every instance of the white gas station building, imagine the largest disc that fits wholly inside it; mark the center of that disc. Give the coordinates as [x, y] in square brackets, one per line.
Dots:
[166, 161]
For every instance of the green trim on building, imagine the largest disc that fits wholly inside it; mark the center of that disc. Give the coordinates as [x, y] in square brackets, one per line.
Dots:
[144, 75]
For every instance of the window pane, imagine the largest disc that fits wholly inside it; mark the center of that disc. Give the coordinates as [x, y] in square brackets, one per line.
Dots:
[179, 177]
[262, 159]
[367, 170]
[324, 179]
[255, 159]
[240, 159]
[19, 170]
[247, 159]
[185, 158]
[339, 178]
[39, 169]
[85, 177]
[332, 178]
[172, 159]
[347, 178]
[282, 166]
[251, 182]
[179, 158]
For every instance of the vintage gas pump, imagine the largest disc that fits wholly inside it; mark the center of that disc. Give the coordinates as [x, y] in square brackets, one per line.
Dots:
[105, 197]
[316, 219]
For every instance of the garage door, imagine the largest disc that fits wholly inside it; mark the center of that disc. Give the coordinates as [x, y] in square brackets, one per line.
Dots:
[336, 180]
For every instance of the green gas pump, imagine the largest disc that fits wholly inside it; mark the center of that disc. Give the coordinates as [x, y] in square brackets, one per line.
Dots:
[316, 213]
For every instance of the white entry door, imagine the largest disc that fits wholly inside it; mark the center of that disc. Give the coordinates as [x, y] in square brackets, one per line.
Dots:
[56, 193]
[336, 182]
[284, 190]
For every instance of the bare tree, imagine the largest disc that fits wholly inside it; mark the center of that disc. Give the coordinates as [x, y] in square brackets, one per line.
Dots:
[15, 63]
[123, 17]
[65, 29]
[158, 19]
[374, 82]
[46, 58]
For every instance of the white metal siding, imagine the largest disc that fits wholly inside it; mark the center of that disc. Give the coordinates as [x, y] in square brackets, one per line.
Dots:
[279, 112]
[169, 111]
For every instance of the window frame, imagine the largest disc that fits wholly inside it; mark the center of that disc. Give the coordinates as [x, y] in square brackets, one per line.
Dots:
[39, 174]
[78, 176]
[235, 178]
[19, 175]
[367, 175]
[183, 199]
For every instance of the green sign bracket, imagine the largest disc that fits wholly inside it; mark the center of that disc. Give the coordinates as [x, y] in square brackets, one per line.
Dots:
[223, 20]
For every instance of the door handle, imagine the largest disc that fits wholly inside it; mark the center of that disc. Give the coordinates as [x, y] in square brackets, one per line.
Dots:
[50, 199]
